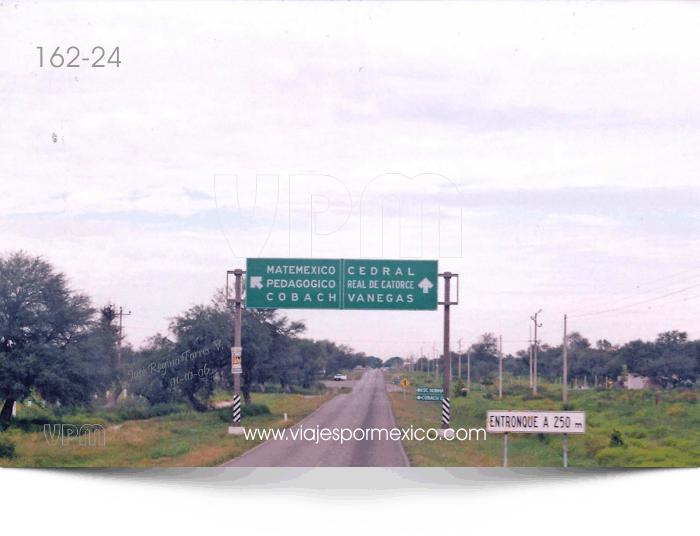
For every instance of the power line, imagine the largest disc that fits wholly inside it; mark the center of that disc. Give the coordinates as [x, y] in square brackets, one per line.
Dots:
[628, 294]
[638, 303]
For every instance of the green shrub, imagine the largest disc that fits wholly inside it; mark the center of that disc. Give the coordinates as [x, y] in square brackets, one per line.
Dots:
[616, 439]
[593, 444]
[659, 432]
[638, 433]
[675, 410]
[226, 414]
[569, 406]
[254, 409]
[459, 385]
[7, 448]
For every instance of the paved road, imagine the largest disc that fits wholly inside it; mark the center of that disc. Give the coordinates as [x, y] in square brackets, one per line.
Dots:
[366, 407]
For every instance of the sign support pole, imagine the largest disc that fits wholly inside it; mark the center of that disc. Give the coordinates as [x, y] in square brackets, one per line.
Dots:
[564, 396]
[505, 449]
[238, 299]
[447, 357]
[500, 366]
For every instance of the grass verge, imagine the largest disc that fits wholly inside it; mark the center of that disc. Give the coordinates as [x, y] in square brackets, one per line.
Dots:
[623, 429]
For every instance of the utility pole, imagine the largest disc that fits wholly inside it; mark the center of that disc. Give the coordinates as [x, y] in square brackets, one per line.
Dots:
[435, 364]
[529, 350]
[447, 355]
[118, 386]
[500, 366]
[565, 371]
[534, 319]
[469, 371]
[459, 358]
[237, 304]
[564, 382]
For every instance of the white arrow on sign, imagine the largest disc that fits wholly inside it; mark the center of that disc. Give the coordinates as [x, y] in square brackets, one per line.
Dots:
[425, 285]
[256, 282]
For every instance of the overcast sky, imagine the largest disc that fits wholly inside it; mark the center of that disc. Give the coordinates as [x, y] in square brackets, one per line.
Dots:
[566, 135]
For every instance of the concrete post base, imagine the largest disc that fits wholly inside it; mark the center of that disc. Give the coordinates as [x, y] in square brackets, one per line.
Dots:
[235, 430]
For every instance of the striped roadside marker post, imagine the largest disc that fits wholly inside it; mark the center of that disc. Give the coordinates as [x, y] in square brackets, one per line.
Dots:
[236, 410]
[445, 412]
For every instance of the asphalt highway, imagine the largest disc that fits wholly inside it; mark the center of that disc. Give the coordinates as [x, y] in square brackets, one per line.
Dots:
[366, 407]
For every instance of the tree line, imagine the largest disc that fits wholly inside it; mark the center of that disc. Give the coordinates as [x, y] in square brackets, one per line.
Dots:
[670, 361]
[55, 343]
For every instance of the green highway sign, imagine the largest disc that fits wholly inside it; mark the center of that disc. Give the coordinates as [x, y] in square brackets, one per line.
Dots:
[293, 283]
[389, 284]
[341, 284]
[429, 398]
[429, 394]
[429, 390]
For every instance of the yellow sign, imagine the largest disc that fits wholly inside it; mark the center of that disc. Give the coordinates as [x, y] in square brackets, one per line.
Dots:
[405, 383]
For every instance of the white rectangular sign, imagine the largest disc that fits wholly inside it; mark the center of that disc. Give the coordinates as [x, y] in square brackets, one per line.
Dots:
[535, 422]
[236, 367]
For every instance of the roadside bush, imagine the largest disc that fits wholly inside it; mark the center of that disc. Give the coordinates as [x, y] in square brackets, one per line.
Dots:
[688, 397]
[659, 432]
[638, 433]
[7, 448]
[226, 414]
[254, 409]
[459, 385]
[675, 410]
[593, 444]
[616, 439]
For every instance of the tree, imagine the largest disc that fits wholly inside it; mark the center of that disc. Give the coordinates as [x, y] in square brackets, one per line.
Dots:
[202, 335]
[672, 339]
[43, 332]
[394, 362]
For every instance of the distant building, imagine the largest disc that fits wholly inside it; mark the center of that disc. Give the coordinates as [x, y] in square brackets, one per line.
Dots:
[637, 382]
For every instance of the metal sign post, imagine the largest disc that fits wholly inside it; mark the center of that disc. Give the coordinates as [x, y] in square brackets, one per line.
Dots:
[565, 380]
[236, 352]
[405, 383]
[446, 354]
[535, 422]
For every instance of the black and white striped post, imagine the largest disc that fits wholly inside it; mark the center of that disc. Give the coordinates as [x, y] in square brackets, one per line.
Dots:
[445, 412]
[236, 410]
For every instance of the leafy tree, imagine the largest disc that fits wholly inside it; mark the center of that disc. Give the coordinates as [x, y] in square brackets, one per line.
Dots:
[201, 336]
[140, 375]
[43, 330]
[394, 362]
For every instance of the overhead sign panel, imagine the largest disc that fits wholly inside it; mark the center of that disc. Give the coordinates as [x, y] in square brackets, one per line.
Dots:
[390, 284]
[293, 283]
[342, 284]
[536, 422]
